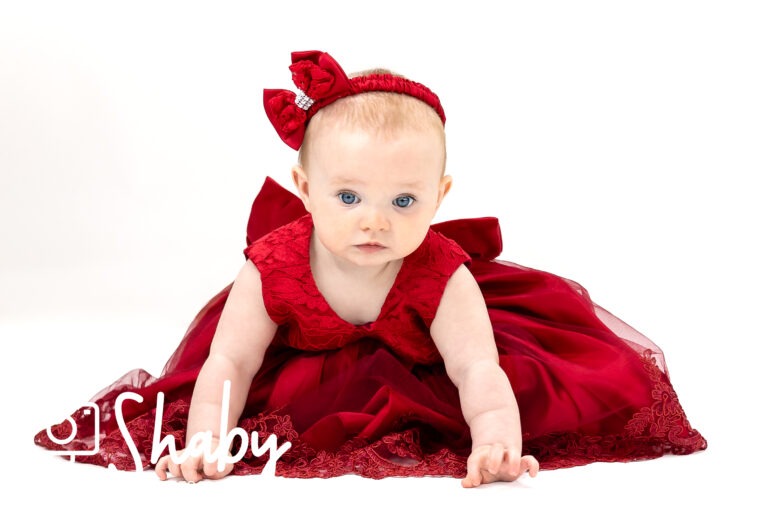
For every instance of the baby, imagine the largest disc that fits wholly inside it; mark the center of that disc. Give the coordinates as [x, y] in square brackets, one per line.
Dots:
[371, 174]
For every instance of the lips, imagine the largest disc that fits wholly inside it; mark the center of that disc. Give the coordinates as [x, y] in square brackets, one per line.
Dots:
[370, 246]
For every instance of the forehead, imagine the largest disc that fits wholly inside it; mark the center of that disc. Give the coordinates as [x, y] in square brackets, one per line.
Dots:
[351, 145]
[338, 143]
[361, 161]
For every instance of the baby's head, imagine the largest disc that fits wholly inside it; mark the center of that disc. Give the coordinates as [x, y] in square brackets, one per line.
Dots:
[371, 160]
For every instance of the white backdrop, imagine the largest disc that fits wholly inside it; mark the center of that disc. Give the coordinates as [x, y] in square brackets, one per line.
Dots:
[621, 144]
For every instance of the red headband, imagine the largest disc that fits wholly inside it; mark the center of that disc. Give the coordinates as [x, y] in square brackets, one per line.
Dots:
[321, 81]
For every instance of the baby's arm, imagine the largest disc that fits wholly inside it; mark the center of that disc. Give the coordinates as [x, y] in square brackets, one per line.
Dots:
[242, 336]
[462, 332]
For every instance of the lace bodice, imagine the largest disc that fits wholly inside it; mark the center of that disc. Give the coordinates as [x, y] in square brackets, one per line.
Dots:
[307, 321]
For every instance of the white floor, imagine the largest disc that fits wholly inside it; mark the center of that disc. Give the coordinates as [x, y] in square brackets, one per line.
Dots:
[83, 352]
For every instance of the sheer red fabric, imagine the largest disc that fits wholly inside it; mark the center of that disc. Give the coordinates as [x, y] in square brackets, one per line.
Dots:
[375, 400]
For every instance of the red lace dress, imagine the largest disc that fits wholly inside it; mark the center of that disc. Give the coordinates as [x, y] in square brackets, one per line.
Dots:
[375, 399]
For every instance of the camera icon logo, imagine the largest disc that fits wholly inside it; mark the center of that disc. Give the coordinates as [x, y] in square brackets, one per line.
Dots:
[88, 409]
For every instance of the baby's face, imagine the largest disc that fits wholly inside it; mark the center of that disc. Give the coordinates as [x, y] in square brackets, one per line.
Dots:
[373, 198]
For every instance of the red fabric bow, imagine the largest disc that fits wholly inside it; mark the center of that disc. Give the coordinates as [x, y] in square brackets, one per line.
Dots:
[321, 79]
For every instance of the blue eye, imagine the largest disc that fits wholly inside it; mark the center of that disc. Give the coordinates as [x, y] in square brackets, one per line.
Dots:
[403, 201]
[348, 198]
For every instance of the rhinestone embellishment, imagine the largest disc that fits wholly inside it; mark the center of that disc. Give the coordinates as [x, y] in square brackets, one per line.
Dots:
[303, 101]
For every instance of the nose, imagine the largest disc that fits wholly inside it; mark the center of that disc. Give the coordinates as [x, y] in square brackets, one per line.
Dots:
[374, 219]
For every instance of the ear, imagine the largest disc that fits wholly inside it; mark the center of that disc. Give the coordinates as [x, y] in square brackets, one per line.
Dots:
[445, 185]
[302, 184]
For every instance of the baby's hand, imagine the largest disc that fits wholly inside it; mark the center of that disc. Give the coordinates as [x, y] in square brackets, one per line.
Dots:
[489, 463]
[193, 469]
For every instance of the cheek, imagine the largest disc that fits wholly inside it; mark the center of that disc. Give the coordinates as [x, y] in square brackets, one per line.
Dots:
[331, 225]
[414, 231]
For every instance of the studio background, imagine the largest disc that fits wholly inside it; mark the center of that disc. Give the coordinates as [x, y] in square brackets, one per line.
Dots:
[620, 144]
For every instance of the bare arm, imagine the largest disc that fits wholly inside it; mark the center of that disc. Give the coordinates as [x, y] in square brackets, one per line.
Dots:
[463, 333]
[242, 336]
[243, 333]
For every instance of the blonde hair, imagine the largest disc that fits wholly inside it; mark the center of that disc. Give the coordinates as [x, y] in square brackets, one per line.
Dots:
[384, 113]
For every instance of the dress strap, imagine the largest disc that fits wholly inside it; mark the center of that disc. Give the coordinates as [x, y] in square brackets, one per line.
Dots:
[427, 271]
[282, 258]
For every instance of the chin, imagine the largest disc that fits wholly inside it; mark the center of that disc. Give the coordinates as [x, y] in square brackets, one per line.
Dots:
[374, 259]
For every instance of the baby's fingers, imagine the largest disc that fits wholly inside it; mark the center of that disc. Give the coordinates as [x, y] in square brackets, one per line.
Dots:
[166, 464]
[162, 468]
[529, 464]
[474, 477]
[211, 470]
[191, 470]
[495, 458]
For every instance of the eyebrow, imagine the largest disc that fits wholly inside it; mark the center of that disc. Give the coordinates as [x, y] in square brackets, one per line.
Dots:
[343, 180]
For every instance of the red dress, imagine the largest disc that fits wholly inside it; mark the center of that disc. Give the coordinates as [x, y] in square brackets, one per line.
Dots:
[375, 400]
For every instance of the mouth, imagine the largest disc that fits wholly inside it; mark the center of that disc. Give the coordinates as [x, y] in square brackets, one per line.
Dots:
[371, 246]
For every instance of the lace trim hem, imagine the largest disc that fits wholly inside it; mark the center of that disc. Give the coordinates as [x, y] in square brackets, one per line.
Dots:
[652, 432]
